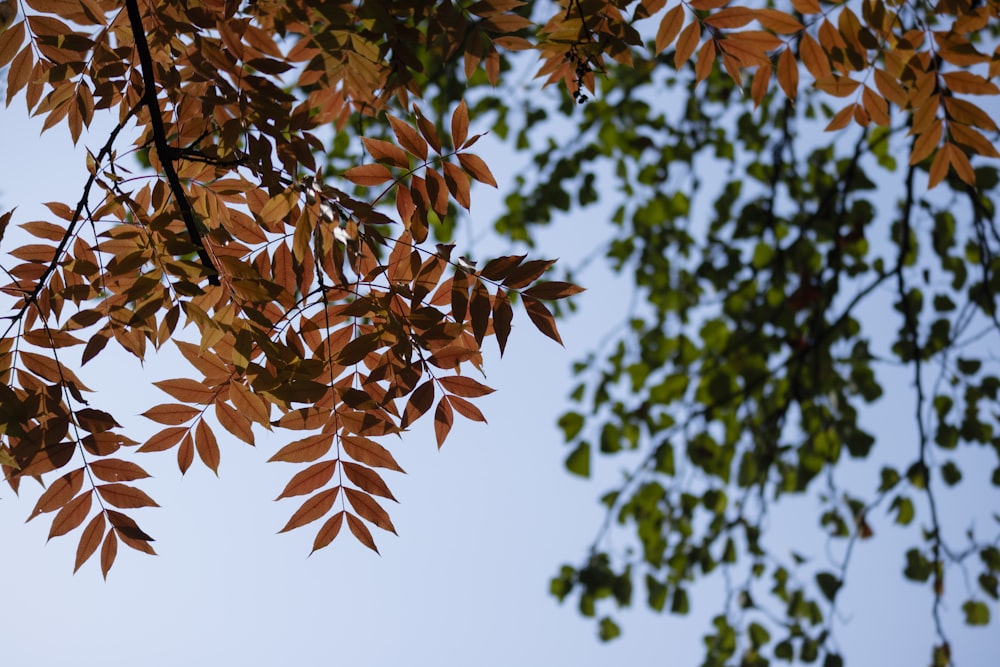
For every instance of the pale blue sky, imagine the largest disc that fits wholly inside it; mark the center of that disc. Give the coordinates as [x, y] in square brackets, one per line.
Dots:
[483, 525]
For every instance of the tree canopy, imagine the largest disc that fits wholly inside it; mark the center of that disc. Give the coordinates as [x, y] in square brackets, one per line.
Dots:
[803, 195]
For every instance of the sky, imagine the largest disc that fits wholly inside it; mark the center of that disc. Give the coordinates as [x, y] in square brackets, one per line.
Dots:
[483, 524]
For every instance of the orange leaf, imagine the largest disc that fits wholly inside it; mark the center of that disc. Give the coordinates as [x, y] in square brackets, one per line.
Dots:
[361, 532]
[841, 119]
[670, 26]
[124, 496]
[89, 540]
[705, 60]
[814, 57]
[779, 21]
[788, 74]
[731, 17]
[305, 450]
[971, 139]
[368, 509]
[310, 479]
[939, 167]
[312, 509]
[71, 515]
[761, 81]
[926, 142]
[686, 44]
[369, 452]
[838, 86]
[443, 419]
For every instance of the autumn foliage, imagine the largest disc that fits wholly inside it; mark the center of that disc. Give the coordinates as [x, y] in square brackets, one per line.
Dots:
[313, 300]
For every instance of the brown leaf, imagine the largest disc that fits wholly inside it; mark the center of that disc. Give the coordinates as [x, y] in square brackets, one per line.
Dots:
[408, 137]
[788, 74]
[207, 446]
[367, 479]
[60, 492]
[310, 479]
[312, 509]
[368, 175]
[551, 290]
[687, 43]
[731, 17]
[233, 421]
[126, 527]
[460, 385]
[503, 314]
[369, 510]
[466, 409]
[479, 309]
[329, 531]
[165, 439]
[124, 496]
[361, 532]
[117, 470]
[669, 27]
[108, 552]
[89, 540]
[188, 390]
[71, 515]
[171, 413]
[367, 451]
[420, 402]
[475, 167]
[305, 450]
[185, 453]
[527, 273]
[500, 268]
[459, 125]
[383, 151]
[541, 318]
[443, 419]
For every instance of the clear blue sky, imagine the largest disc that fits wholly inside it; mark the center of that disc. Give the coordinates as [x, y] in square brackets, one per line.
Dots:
[483, 525]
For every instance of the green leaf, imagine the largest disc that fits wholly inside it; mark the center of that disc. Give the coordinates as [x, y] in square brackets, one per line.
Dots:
[829, 584]
[758, 634]
[578, 461]
[951, 473]
[976, 612]
[608, 629]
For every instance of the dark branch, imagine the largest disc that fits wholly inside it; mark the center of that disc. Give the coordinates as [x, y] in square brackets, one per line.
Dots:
[163, 150]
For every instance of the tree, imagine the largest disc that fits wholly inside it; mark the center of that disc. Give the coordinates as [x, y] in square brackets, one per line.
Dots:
[292, 194]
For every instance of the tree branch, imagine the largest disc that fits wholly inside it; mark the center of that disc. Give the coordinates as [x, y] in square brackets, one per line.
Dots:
[163, 150]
